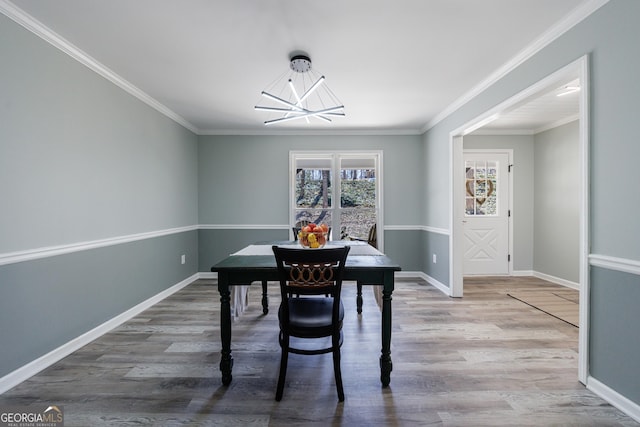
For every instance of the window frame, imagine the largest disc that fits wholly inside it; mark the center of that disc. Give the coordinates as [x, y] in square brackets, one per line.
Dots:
[335, 157]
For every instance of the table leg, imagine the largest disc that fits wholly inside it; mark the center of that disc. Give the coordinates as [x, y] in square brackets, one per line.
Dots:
[386, 366]
[359, 298]
[226, 361]
[265, 298]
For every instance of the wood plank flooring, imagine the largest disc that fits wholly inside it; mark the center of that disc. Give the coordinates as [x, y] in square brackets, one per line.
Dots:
[563, 304]
[482, 360]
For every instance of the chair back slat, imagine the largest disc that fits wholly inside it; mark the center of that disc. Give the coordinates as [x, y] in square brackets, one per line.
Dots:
[310, 271]
[311, 275]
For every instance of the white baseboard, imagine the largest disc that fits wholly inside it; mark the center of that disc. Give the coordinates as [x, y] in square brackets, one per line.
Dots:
[522, 273]
[557, 280]
[630, 408]
[30, 369]
[419, 274]
[409, 274]
[547, 277]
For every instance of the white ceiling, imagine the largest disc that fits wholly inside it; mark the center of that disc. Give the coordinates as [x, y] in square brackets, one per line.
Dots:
[550, 107]
[395, 65]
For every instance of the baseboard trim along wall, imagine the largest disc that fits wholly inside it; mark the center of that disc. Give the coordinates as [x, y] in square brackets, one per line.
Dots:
[430, 280]
[27, 371]
[616, 399]
[557, 280]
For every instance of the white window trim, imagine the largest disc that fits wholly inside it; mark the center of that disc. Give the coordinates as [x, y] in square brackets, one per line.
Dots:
[335, 156]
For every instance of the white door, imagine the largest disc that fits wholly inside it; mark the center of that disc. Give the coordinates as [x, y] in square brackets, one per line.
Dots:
[486, 216]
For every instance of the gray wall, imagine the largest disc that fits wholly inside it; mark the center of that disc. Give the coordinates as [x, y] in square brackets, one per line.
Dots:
[614, 345]
[523, 190]
[557, 203]
[610, 37]
[435, 243]
[244, 181]
[83, 161]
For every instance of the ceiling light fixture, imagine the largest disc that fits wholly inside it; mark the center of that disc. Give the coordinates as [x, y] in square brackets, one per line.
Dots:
[301, 93]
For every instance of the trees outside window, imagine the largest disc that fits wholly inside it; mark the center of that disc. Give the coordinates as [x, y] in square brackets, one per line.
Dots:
[319, 179]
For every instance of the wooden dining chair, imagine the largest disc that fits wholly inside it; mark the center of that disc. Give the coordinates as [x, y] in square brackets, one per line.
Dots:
[296, 228]
[372, 240]
[310, 285]
[372, 237]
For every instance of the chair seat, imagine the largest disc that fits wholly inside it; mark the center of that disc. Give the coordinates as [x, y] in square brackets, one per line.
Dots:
[311, 317]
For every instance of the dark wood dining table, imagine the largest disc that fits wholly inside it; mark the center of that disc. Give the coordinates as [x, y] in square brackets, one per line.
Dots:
[365, 265]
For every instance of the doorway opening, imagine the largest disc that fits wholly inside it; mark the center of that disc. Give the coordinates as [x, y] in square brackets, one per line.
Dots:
[576, 71]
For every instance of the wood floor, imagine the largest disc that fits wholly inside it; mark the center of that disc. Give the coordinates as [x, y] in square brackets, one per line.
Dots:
[563, 304]
[483, 360]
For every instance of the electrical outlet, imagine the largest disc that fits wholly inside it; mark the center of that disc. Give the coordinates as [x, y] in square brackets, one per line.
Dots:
[434, 258]
[183, 259]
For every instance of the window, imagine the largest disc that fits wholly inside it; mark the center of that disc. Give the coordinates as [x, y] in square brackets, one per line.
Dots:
[480, 192]
[341, 189]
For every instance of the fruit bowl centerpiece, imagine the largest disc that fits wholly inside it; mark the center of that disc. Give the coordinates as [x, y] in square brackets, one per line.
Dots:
[313, 236]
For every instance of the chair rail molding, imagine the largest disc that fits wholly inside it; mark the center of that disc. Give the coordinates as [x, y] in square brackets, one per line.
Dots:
[615, 263]
[49, 251]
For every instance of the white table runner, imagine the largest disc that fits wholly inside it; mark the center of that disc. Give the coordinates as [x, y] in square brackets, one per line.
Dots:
[357, 248]
[240, 294]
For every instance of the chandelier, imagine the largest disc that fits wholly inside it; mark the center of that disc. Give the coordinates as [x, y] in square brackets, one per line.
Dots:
[300, 93]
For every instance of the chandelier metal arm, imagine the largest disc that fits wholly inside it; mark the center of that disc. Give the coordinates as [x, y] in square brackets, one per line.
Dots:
[334, 111]
[298, 100]
[277, 110]
[312, 88]
[282, 101]
[293, 109]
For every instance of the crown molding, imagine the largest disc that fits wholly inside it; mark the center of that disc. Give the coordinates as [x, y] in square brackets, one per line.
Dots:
[303, 132]
[570, 21]
[39, 29]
